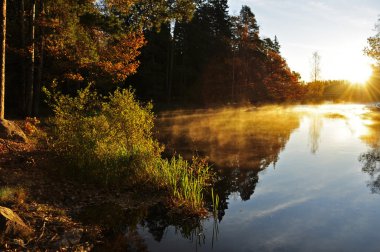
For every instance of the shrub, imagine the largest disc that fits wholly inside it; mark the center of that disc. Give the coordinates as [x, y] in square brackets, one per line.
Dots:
[108, 139]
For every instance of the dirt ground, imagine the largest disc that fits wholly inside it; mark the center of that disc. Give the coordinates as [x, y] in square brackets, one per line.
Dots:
[50, 203]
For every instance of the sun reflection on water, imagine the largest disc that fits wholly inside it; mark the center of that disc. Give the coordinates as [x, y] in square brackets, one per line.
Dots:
[252, 137]
[243, 142]
[353, 116]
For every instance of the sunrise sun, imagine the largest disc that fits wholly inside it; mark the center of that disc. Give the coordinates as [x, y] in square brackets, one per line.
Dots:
[359, 74]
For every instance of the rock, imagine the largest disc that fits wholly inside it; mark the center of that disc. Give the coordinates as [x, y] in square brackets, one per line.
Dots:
[10, 130]
[11, 225]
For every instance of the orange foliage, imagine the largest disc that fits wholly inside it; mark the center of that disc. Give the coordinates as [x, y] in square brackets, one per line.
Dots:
[281, 83]
[118, 57]
[88, 50]
[30, 125]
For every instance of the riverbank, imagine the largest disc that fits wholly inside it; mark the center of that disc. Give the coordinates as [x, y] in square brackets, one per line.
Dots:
[50, 204]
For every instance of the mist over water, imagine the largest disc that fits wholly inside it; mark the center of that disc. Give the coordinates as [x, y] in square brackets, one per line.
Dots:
[250, 137]
[296, 178]
[245, 138]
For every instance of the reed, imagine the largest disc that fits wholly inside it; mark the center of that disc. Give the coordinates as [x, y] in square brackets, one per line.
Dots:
[215, 203]
[185, 180]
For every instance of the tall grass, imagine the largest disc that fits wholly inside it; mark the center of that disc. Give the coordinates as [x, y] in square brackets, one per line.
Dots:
[185, 180]
[215, 203]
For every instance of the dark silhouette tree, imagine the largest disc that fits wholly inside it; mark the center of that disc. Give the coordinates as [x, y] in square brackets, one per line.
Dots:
[3, 44]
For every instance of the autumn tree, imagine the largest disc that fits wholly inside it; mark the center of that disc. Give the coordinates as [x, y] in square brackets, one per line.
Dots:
[215, 58]
[373, 50]
[91, 41]
[281, 83]
[260, 73]
[76, 42]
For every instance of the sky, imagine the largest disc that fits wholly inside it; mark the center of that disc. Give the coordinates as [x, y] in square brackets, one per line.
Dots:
[337, 29]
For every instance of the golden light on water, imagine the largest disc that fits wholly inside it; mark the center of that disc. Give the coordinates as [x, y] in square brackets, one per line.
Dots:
[357, 125]
[352, 115]
[252, 137]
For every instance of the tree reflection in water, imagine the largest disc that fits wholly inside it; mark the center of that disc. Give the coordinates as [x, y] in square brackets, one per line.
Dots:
[371, 165]
[239, 142]
[315, 128]
[244, 138]
[371, 158]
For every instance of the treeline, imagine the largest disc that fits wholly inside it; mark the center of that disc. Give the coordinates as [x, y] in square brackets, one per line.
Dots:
[214, 58]
[170, 51]
[342, 91]
[76, 42]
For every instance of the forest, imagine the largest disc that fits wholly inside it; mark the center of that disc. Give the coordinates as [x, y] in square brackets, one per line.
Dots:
[171, 52]
[168, 52]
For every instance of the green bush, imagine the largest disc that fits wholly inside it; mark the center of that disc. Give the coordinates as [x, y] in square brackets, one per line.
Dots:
[106, 139]
[109, 140]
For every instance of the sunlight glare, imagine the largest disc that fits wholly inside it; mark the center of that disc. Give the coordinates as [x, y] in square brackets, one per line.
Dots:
[351, 114]
[359, 75]
[357, 125]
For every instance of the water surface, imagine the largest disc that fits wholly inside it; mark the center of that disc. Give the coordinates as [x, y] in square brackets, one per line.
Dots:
[302, 178]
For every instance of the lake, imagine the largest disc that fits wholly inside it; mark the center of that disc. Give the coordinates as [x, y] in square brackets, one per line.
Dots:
[297, 178]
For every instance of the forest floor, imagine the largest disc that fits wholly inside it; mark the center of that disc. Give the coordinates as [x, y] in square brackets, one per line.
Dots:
[50, 203]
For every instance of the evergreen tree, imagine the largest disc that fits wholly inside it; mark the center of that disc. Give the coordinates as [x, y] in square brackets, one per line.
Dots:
[249, 57]
[260, 73]
[205, 53]
[151, 78]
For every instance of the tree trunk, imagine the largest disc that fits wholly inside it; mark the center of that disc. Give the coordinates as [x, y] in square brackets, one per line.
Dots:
[169, 71]
[233, 78]
[29, 89]
[37, 84]
[3, 43]
[170, 63]
[24, 53]
[170, 86]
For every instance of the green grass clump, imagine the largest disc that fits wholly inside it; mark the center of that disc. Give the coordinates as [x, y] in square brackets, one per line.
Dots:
[185, 180]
